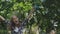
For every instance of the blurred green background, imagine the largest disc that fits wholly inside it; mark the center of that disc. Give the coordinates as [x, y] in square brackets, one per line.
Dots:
[45, 18]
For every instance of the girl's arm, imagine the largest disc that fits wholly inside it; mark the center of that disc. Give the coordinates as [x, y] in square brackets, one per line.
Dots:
[2, 18]
[28, 17]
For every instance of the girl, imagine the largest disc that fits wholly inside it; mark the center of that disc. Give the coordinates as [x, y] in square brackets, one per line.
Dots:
[15, 26]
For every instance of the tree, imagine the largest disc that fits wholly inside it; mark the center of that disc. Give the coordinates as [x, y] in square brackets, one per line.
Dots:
[46, 15]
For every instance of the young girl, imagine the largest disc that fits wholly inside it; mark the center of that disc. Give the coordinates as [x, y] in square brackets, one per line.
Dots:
[15, 26]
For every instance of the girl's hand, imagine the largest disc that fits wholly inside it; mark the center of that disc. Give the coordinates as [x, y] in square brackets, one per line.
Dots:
[2, 18]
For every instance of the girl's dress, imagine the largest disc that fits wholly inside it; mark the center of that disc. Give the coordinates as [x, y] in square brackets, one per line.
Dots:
[16, 30]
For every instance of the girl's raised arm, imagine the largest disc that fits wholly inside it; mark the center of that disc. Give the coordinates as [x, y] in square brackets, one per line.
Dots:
[28, 17]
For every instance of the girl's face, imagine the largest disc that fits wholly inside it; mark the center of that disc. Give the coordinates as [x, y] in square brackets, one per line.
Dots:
[52, 32]
[15, 20]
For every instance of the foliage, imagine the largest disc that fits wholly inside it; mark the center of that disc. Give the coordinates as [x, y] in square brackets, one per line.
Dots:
[46, 15]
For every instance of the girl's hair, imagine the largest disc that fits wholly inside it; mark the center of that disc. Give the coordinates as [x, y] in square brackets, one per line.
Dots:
[12, 23]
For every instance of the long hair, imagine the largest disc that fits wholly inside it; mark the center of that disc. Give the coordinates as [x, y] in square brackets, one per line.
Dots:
[13, 24]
